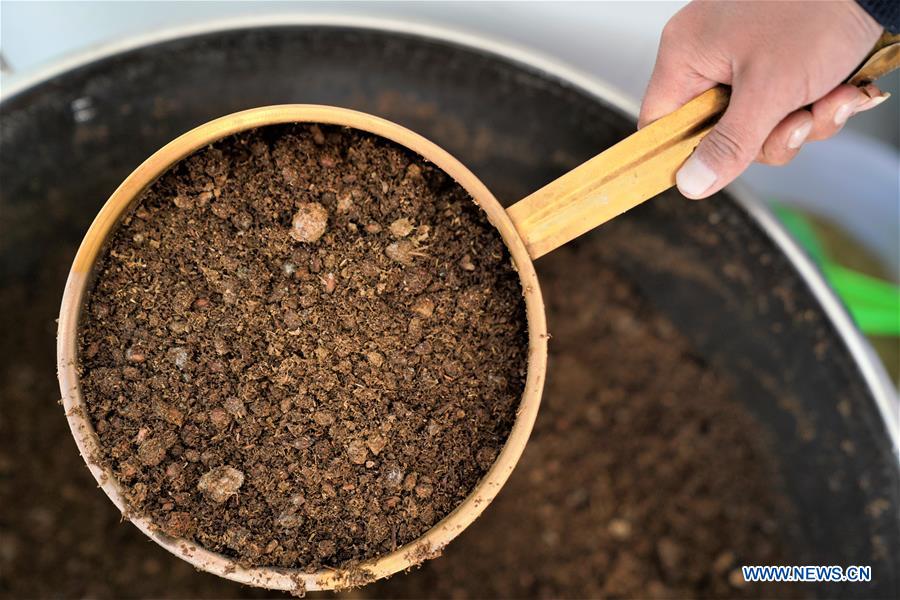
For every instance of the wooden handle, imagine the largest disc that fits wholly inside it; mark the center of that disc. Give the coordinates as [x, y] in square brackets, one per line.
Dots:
[634, 170]
[883, 59]
[640, 166]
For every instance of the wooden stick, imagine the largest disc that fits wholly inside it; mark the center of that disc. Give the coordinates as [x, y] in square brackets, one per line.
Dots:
[640, 166]
[637, 168]
[884, 59]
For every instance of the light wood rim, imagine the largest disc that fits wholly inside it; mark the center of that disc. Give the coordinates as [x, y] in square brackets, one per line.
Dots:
[127, 195]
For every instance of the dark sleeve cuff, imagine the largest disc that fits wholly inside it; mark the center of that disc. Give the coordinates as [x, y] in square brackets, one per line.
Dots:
[886, 12]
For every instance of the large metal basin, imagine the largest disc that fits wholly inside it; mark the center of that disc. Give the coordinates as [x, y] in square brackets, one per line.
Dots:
[755, 307]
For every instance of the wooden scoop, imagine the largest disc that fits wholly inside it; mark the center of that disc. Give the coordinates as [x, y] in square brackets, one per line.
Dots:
[642, 165]
[623, 176]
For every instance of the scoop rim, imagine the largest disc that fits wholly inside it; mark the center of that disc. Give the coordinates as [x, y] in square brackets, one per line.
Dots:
[118, 206]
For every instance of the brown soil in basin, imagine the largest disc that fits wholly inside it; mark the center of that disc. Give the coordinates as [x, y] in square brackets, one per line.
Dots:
[616, 464]
[643, 477]
[303, 348]
[621, 470]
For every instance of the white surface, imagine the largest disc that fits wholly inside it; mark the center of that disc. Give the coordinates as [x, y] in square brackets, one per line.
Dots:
[612, 41]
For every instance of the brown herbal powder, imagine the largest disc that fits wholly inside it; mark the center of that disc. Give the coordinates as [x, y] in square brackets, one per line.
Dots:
[645, 476]
[303, 348]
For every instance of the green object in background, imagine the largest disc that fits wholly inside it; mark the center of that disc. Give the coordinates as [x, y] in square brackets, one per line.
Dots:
[873, 302]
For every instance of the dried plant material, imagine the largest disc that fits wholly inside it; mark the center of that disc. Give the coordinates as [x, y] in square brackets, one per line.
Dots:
[329, 282]
[345, 201]
[309, 223]
[622, 387]
[273, 391]
[317, 135]
[424, 307]
[402, 252]
[401, 227]
[221, 483]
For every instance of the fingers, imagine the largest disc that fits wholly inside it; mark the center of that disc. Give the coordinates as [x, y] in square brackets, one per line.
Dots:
[825, 119]
[754, 127]
[830, 113]
[737, 139]
[875, 97]
[785, 141]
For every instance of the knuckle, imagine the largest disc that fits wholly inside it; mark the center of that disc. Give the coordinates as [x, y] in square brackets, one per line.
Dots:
[671, 33]
[775, 153]
[823, 127]
[778, 159]
[822, 135]
[765, 157]
[668, 32]
[799, 91]
[727, 145]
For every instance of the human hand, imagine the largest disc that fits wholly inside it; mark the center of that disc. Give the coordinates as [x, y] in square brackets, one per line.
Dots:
[778, 57]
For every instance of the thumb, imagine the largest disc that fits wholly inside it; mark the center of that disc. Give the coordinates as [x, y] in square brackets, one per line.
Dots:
[735, 141]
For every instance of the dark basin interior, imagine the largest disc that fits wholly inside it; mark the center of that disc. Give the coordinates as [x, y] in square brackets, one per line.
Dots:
[711, 269]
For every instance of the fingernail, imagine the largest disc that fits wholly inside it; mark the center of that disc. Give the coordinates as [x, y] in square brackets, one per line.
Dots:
[799, 135]
[844, 112]
[694, 177]
[873, 102]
